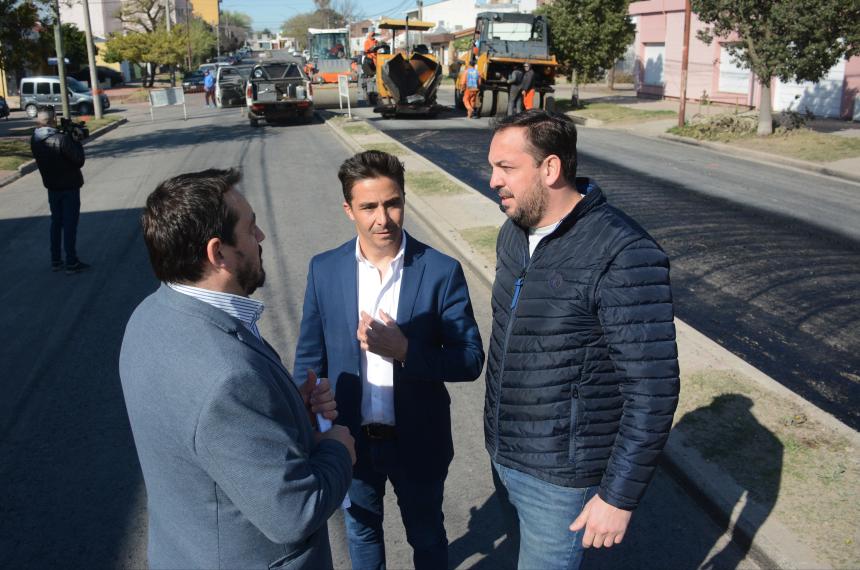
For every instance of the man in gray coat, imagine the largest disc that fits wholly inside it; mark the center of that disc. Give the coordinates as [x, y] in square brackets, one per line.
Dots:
[236, 475]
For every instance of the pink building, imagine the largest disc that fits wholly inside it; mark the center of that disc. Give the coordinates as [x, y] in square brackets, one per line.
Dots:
[712, 73]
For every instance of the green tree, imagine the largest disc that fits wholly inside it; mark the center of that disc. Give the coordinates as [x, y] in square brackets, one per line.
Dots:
[794, 40]
[159, 47]
[589, 36]
[131, 47]
[17, 40]
[199, 41]
[235, 29]
[74, 45]
[297, 26]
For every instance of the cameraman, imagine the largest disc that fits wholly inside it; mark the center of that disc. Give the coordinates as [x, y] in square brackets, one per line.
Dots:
[60, 157]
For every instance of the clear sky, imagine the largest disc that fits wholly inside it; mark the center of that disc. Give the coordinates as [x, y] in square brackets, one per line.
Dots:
[272, 13]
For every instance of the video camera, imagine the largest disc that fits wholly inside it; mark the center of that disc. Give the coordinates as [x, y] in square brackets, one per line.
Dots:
[76, 129]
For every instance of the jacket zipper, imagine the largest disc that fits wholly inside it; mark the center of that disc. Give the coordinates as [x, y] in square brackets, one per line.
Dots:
[518, 287]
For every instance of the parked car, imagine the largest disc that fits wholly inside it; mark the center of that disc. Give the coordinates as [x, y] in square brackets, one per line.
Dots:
[193, 82]
[45, 91]
[4, 108]
[105, 75]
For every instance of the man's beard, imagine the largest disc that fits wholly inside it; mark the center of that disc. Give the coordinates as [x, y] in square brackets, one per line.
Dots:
[531, 207]
[249, 277]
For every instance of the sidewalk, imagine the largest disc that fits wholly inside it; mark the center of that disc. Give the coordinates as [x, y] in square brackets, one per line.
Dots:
[776, 471]
[847, 168]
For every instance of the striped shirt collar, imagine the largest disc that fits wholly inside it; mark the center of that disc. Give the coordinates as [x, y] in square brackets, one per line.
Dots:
[245, 309]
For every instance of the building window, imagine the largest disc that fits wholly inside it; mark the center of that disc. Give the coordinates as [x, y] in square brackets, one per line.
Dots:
[655, 56]
[733, 78]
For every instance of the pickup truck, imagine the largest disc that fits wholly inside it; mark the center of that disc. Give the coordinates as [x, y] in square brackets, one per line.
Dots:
[277, 91]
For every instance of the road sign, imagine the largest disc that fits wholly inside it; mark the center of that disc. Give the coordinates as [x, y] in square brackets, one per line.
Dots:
[343, 91]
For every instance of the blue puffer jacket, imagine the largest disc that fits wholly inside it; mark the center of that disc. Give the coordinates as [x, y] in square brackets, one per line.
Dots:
[582, 375]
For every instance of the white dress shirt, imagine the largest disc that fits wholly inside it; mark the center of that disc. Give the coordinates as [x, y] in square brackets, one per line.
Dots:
[377, 372]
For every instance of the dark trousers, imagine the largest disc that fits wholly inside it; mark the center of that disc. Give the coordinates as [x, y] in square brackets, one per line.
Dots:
[420, 503]
[65, 211]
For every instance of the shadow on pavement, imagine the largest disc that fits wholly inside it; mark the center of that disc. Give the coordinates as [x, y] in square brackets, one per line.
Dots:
[487, 536]
[72, 491]
[661, 532]
[729, 435]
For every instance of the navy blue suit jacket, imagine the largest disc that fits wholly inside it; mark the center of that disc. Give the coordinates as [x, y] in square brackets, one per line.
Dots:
[434, 312]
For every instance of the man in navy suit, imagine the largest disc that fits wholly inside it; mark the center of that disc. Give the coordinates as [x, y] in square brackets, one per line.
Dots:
[388, 319]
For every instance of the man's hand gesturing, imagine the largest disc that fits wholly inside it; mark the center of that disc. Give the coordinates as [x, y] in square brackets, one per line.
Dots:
[382, 337]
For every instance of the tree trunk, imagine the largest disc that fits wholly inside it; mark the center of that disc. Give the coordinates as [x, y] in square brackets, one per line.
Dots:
[765, 116]
[574, 97]
[610, 78]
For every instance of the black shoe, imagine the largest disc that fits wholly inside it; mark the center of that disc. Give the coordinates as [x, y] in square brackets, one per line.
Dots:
[77, 267]
[57, 266]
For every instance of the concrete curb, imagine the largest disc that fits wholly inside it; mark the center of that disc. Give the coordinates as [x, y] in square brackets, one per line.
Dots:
[30, 165]
[763, 157]
[771, 544]
[585, 121]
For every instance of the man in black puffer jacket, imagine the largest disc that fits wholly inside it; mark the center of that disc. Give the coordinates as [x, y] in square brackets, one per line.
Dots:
[582, 374]
[60, 158]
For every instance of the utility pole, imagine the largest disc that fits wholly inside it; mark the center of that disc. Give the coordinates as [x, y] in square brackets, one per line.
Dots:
[91, 58]
[420, 19]
[218, 30]
[61, 60]
[188, 33]
[685, 63]
[167, 21]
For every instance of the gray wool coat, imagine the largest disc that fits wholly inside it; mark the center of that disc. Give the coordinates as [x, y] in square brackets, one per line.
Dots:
[233, 478]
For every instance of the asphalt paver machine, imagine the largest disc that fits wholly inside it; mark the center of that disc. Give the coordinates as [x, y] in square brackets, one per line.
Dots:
[407, 79]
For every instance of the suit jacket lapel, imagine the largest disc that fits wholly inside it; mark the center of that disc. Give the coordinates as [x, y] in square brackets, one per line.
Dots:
[413, 269]
[349, 289]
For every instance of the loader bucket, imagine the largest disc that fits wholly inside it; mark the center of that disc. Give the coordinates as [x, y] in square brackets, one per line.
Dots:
[412, 81]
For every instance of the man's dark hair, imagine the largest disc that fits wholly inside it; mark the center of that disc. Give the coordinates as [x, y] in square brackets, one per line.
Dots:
[181, 216]
[547, 133]
[369, 164]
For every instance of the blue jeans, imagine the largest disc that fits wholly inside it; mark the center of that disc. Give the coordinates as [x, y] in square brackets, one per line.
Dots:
[65, 211]
[542, 513]
[420, 503]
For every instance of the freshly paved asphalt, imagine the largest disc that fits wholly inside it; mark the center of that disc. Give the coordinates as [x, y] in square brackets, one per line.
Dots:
[765, 261]
[72, 492]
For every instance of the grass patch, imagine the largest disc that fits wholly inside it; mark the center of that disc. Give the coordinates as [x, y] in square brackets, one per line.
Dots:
[784, 460]
[13, 153]
[390, 148]
[93, 123]
[137, 96]
[432, 184]
[806, 145]
[359, 128]
[726, 127]
[800, 143]
[612, 113]
[483, 240]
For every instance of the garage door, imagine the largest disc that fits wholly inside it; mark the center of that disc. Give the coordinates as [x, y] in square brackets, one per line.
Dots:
[824, 99]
